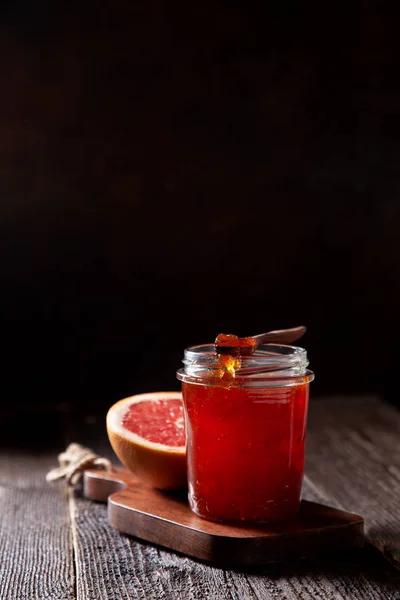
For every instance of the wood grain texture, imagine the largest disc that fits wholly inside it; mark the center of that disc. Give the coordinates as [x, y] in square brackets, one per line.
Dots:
[353, 460]
[35, 533]
[166, 519]
[112, 565]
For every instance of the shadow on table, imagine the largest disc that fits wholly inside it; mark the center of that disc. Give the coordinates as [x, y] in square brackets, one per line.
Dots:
[387, 540]
[365, 562]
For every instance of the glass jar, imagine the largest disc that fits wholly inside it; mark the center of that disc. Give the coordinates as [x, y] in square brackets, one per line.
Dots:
[246, 436]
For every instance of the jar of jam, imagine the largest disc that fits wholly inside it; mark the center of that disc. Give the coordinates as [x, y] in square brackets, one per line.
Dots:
[246, 434]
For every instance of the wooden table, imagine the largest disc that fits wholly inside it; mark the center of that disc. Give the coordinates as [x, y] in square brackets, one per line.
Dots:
[57, 545]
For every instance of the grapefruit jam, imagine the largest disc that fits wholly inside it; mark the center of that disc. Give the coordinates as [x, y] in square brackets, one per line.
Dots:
[245, 441]
[229, 349]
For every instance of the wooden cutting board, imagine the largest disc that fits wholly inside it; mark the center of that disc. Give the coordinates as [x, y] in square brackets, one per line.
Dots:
[164, 518]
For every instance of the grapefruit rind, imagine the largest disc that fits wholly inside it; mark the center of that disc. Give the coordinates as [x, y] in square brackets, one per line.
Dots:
[158, 465]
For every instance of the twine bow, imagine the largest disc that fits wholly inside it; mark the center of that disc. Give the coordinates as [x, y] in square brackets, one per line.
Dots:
[74, 461]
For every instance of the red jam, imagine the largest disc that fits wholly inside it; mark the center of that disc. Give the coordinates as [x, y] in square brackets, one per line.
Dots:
[233, 345]
[230, 348]
[245, 449]
[246, 432]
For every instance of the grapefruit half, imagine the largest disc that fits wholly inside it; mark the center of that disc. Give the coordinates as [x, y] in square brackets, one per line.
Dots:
[147, 433]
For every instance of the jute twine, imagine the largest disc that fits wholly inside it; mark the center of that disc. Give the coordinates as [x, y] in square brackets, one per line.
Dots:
[74, 461]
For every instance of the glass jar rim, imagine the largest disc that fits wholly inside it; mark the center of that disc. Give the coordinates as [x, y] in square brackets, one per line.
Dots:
[270, 364]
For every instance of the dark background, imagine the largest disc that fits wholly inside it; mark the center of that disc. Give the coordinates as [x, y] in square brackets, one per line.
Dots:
[172, 170]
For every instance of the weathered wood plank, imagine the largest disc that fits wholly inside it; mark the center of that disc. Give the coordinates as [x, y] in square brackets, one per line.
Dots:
[35, 534]
[111, 565]
[353, 460]
[167, 521]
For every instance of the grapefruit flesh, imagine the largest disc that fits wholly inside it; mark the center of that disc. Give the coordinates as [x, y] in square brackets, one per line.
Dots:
[159, 421]
[147, 433]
